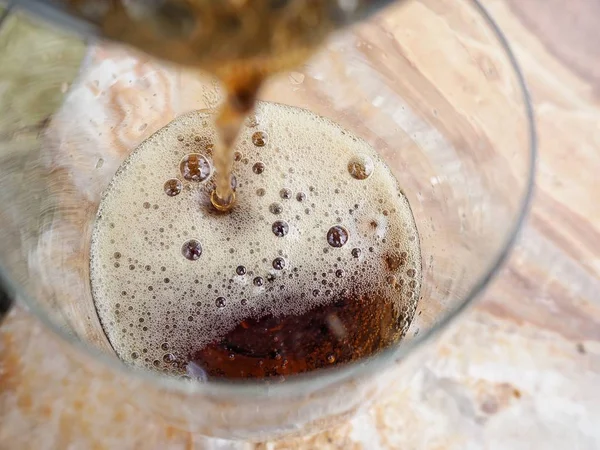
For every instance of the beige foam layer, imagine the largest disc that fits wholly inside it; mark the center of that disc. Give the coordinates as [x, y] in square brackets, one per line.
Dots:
[151, 295]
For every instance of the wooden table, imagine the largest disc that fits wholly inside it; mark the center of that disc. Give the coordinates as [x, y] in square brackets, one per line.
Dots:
[520, 370]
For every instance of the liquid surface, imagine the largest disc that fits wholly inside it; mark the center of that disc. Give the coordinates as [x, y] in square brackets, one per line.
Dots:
[317, 265]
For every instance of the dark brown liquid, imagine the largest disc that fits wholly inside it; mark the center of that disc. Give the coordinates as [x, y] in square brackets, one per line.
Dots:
[349, 328]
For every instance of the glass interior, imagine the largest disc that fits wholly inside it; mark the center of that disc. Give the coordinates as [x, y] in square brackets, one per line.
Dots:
[452, 121]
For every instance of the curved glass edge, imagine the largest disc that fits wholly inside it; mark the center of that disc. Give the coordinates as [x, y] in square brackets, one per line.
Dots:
[326, 377]
[18, 36]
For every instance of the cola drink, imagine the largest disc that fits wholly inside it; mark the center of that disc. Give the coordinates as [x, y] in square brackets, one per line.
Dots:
[317, 265]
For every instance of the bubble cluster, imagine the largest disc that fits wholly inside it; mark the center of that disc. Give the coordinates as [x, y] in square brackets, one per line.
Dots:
[185, 290]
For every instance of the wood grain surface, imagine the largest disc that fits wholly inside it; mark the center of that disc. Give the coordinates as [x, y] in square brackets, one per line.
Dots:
[521, 370]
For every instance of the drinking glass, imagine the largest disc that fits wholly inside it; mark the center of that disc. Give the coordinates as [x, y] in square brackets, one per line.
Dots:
[431, 85]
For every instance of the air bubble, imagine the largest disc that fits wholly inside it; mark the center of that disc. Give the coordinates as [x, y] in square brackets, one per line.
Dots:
[339, 273]
[360, 167]
[224, 205]
[191, 250]
[337, 236]
[300, 196]
[258, 168]
[285, 193]
[220, 302]
[240, 270]
[173, 187]
[258, 281]
[259, 138]
[280, 228]
[278, 263]
[276, 208]
[194, 167]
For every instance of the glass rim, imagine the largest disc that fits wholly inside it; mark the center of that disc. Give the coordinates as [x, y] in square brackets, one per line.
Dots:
[323, 377]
